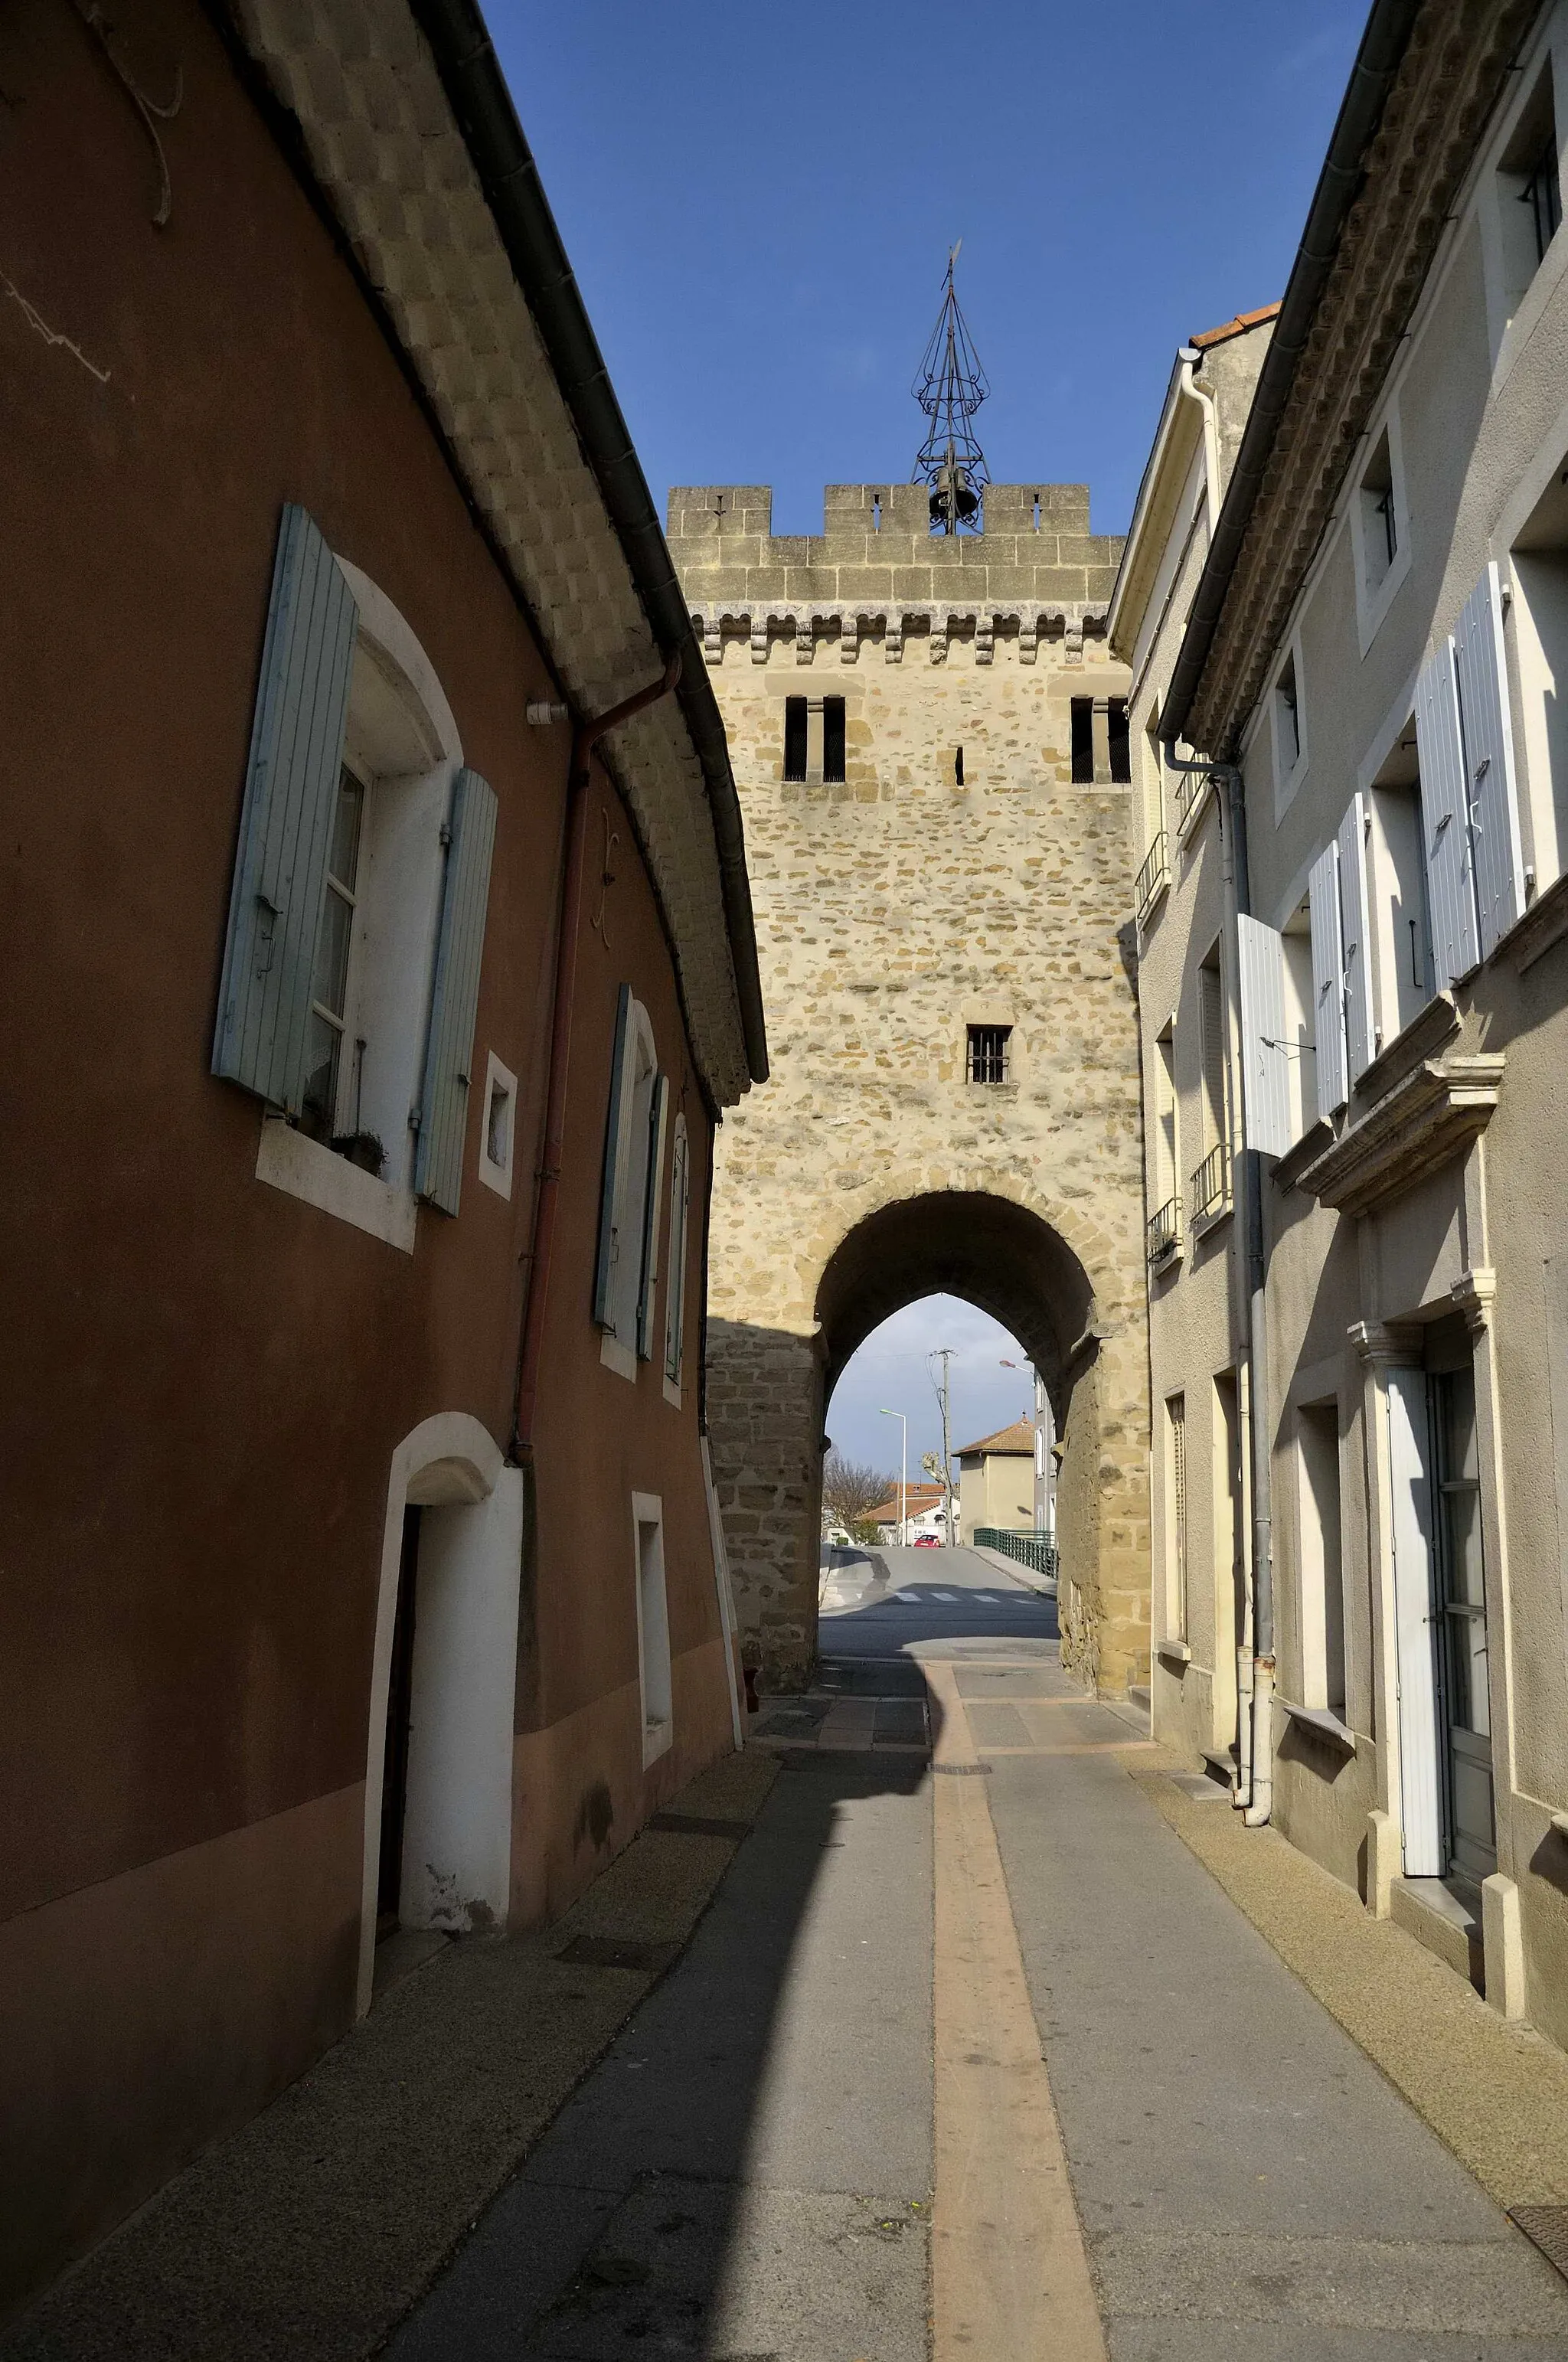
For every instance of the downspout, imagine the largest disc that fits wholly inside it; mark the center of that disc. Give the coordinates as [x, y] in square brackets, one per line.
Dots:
[1191, 359]
[1255, 1731]
[585, 737]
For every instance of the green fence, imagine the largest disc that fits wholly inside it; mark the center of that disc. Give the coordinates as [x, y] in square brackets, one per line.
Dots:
[1036, 1551]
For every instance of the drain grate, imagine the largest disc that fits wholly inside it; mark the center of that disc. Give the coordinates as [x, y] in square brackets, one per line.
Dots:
[610, 1952]
[692, 1825]
[962, 1770]
[1547, 2228]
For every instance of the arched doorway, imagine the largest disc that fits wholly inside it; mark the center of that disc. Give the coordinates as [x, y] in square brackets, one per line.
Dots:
[768, 1388]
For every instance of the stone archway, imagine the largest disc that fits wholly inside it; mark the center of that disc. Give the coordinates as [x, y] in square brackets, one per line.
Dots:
[769, 1386]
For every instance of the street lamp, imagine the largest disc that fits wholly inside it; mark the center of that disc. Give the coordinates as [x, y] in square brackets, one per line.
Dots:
[904, 1470]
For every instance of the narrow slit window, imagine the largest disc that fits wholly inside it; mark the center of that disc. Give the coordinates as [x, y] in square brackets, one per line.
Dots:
[832, 738]
[988, 1049]
[1083, 741]
[794, 737]
[1287, 719]
[958, 767]
[1121, 746]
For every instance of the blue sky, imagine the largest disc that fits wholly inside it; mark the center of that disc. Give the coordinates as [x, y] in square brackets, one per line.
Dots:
[759, 206]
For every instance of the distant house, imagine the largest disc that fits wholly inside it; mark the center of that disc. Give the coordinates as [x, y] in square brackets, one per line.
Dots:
[996, 1482]
[922, 1513]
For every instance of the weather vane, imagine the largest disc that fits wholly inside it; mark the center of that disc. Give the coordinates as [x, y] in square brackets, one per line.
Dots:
[950, 389]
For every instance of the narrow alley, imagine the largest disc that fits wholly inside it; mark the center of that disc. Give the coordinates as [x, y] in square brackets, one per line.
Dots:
[969, 2054]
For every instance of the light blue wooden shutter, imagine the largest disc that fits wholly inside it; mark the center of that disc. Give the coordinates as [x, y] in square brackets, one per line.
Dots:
[1487, 726]
[1410, 1539]
[675, 1279]
[658, 1112]
[1355, 939]
[1445, 820]
[285, 823]
[1265, 1071]
[604, 1261]
[1328, 980]
[454, 998]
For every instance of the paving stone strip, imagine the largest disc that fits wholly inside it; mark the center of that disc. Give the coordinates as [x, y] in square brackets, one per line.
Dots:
[308, 2233]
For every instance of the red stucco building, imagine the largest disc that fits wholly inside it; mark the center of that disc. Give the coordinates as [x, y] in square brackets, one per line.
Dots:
[366, 1031]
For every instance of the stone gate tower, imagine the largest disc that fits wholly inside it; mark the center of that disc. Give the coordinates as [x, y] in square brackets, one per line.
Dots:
[925, 730]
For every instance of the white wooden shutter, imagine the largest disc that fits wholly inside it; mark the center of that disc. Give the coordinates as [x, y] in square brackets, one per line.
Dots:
[1486, 722]
[620, 1091]
[1411, 1535]
[1266, 1067]
[285, 823]
[1445, 820]
[454, 998]
[1328, 980]
[1355, 939]
[658, 1116]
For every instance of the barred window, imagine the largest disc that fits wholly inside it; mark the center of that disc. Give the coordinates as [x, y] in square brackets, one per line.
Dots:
[988, 1053]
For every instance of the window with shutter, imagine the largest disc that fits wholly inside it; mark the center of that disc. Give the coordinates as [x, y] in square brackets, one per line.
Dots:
[454, 1003]
[1356, 941]
[1265, 1063]
[286, 821]
[675, 1281]
[1486, 726]
[622, 1228]
[1445, 820]
[658, 1111]
[1175, 1510]
[1328, 980]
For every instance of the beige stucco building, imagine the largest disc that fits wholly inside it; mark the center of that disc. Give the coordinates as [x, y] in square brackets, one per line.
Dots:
[927, 735]
[996, 1482]
[1187, 1017]
[1373, 660]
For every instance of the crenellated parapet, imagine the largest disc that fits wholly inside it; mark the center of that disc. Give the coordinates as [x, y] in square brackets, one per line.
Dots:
[877, 578]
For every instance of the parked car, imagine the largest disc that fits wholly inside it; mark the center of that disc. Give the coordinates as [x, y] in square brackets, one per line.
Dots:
[927, 1541]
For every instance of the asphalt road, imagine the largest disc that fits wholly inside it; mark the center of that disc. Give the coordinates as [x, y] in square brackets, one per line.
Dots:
[893, 1602]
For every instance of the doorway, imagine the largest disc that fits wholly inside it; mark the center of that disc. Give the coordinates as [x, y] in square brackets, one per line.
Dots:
[399, 1725]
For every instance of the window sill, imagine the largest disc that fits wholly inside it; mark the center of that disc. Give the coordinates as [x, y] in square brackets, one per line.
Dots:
[1305, 1151]
[1186, 823]
[1203, 1223]
[1166, 1260]
[1545, 923]
[290, 1160]
[672, 1394]
[618, 1357]
[1424, 1035]
[1372, 606]
[1321, 1720]
[1175, 1652]
[658, 1737]
[1153, 903]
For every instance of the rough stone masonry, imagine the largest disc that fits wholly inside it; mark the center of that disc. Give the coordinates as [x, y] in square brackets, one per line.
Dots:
[954, 876]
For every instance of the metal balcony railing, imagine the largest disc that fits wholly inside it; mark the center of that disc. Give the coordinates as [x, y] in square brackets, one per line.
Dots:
[1153, 877]
[1211, 1184]
[1190, 787]
[1165, 1231]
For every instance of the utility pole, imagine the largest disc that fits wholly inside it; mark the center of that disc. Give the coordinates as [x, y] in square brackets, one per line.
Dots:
[943, 1355]
[903, 1473]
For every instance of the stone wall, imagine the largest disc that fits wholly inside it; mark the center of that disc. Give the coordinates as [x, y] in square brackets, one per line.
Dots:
[896, 908]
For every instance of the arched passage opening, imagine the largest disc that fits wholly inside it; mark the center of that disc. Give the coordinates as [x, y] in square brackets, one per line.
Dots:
[768, 1390]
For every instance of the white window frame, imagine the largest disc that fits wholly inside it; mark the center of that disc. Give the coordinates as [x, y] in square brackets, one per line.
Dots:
[1512, 311]
[497, 1173]
[401, 731]
[1287, 777]
[655, 1676]
[1373, 599]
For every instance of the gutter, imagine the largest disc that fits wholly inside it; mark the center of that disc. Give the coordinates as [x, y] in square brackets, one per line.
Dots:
[1383, 46]
[481, 103]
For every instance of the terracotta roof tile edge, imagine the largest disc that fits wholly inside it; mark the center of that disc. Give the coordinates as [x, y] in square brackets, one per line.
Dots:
[1236, 327]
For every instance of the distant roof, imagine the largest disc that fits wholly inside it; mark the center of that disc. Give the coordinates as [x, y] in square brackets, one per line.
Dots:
[1018, 1437]
[1236, 327]
[919, 1498]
